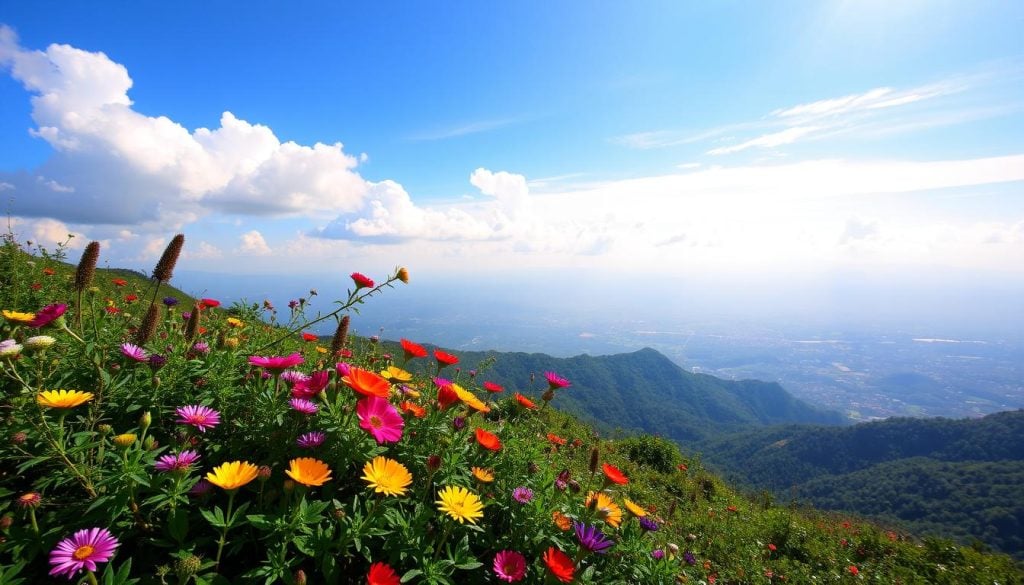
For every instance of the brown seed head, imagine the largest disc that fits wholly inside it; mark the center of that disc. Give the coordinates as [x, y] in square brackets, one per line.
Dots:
[87, 266]
[148, 326]
[595, 456]
[192, 327]
[165, 267]
[340, 335]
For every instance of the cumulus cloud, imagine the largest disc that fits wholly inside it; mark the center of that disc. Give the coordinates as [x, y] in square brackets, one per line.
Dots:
[252, 242]
[114, 165]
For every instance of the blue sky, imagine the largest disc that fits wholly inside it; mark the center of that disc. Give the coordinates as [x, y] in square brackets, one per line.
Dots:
[669, 136]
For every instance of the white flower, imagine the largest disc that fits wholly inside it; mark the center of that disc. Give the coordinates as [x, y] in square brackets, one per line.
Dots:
[39, 342]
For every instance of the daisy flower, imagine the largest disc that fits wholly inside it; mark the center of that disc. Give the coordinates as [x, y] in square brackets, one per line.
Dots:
[201, 417]
[82, 551]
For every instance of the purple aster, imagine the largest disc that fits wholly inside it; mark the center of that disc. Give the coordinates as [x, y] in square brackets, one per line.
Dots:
[591, 538]
[523, 495]
[157, 361]
[690, 559]
[311, 439]
[201, 347]
[134, 352]
[201, 417]
[648, 525]
[180, 463]
[82, 551]
[201, 488]
[170, 301]
[304, 406]
[657, 554]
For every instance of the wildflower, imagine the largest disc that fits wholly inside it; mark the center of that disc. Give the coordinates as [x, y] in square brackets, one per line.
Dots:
[525, 402]
[460, 503]
[413, 409]
[361, 281]
[488, 441]
[470, 399]
[412, 350]
[179, 463]
[613, 475]
[772, 547]
[201, 417]
[607, 510]
[311, 439]
[387, 476]
[119, 282]
[10, 349]
[492, 387]
[403, 275]
[853, 570]
[648, 525]
[380, 419]
[48, 314]
[157, 361]
[367, 383]
[29, 500]
[444, 359]
[509, 566]
[209, 303]
[17, 317]
[522, 494]
[125, 439]
[591, 538]
[201, 488]
[657, 554]
[304, 406]
[309, 337]
[39, 342]
[294, 377]
[170, 301]
[134, 352]
[308, 471]
[201, 347]
[446, 396]
[483, 475]
[276, 364]
[63, 398]
[396, 375]
[634, 508]
[232, 475]
[689, 558]
[234, 322]
[82, 551]
[555, 381]
[382, 574]
[433, 463]
[559, 564]
[131, 298]
[555, 439]
[561, 520]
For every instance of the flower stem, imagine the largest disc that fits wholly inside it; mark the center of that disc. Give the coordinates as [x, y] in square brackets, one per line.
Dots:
[224, 532]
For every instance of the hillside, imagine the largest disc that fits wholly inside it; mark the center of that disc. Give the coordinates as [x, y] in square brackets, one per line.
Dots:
[644, 390]
[955, 477]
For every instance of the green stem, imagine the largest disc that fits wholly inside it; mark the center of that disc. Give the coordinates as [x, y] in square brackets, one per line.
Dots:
[32, 517]
[224, 533]
[92, 577]
[444, 537]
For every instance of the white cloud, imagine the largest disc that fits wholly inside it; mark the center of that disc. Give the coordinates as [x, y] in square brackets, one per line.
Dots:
[465, 129]
[787, 136]
[252, 242]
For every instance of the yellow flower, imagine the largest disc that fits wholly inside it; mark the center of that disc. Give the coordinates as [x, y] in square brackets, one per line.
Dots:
[461, 504]
[125, 439]
[396, 375]
[387, 476]
[483, 475]
[17, 316]
[309, 471]
[231, 342]
[63, 398]
[232, 475]
[470, 399]
[233, 322]
[634, 508]
[403, 274]
[321, 349]
[606, 509]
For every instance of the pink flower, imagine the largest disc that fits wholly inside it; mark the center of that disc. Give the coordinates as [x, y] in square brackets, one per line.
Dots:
[380, 419]
[180, 463]
[304, 406]
[312, 385]
[276, 364]
[509, 566]
[555, 381]
[47, 315]
[361, 281]
[294, 377]
[134, 352]
[311, 440]
[82, 551]
[201, 417]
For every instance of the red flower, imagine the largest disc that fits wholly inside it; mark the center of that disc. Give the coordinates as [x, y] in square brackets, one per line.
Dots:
[209, 303]
[367, 383]
[682, 467]
[488, 441]
[131, 298]
[112, 310]
[772, 547]
[119, 282]
[853, 570]
[309, 337]
[382, 574]
[447, 396]
[555, 439]
[36, 286]
[492, 387]
[525, 402]
[413, 409]
[49, 271]
[413, 350]
[361, 281]
[613, 474]
[444, 359]
[559, 564]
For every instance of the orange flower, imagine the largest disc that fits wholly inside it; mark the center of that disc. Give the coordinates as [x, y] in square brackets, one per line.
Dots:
[555, 439]
[488, 441]
[560, 565]
[526, 402]
[613, 474]
[413, 409]
[563, 522]
[367, 383]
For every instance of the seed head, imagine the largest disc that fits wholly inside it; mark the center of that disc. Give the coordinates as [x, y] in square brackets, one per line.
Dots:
[148, 326]
[193, 323]
[87, 266]
[165, 267]
[340, 335]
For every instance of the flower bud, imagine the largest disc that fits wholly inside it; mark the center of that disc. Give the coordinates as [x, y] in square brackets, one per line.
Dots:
[125, 440]
[150, 444]
[145, 420]
[187, 566]
[105, 429]
[433, 463]
[39, 342]
[263, 473]
[19, 438]
[403, 275]
[300, 577]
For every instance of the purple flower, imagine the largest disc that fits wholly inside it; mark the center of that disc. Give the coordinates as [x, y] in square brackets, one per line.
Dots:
[311, 440]
[201, 488]
[442, 382]
[157, 361]
[343, 369]
[523, 495]
[591, 538]
[657, 554]
[201, 417]
[180, 463]
[201, 347]
[134, 352]
[294, 377]
[560, 485]
[690, 559]
[458, 423]
[170, 301]
[82, 551]
[304, 406]
[648, 525]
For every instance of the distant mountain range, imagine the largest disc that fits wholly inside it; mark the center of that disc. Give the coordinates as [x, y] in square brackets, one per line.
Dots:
[961, 478]
[646, 391]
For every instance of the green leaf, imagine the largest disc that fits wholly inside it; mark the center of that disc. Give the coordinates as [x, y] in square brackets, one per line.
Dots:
[410, 575]
[215, 518]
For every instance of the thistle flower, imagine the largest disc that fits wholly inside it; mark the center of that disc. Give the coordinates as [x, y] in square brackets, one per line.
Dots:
[555, 381]
[648, 525]
[340, 335]
[82, 551]
[200, 347]
[165, 266]
[170, 301]
[199, 416]
[87, 266]
[522, 494]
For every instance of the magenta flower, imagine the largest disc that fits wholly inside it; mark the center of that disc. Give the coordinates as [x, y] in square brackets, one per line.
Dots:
[555, 381]
[201, 417]
[47, 315]
[343, 369]
[134, 352]
[294, 377]
[276, 364]
[201, 347]
[179, 463]
[311, 440]
[380, 419]
[523, 495]
[82, 551]
[509, 566]
[361, 281]
[312, 385]
[304, 406]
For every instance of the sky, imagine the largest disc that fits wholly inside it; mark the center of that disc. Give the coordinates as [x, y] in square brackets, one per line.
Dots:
[522, 138]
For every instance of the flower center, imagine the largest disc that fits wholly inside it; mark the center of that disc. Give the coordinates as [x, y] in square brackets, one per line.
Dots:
[83, 552]
[375, 422]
